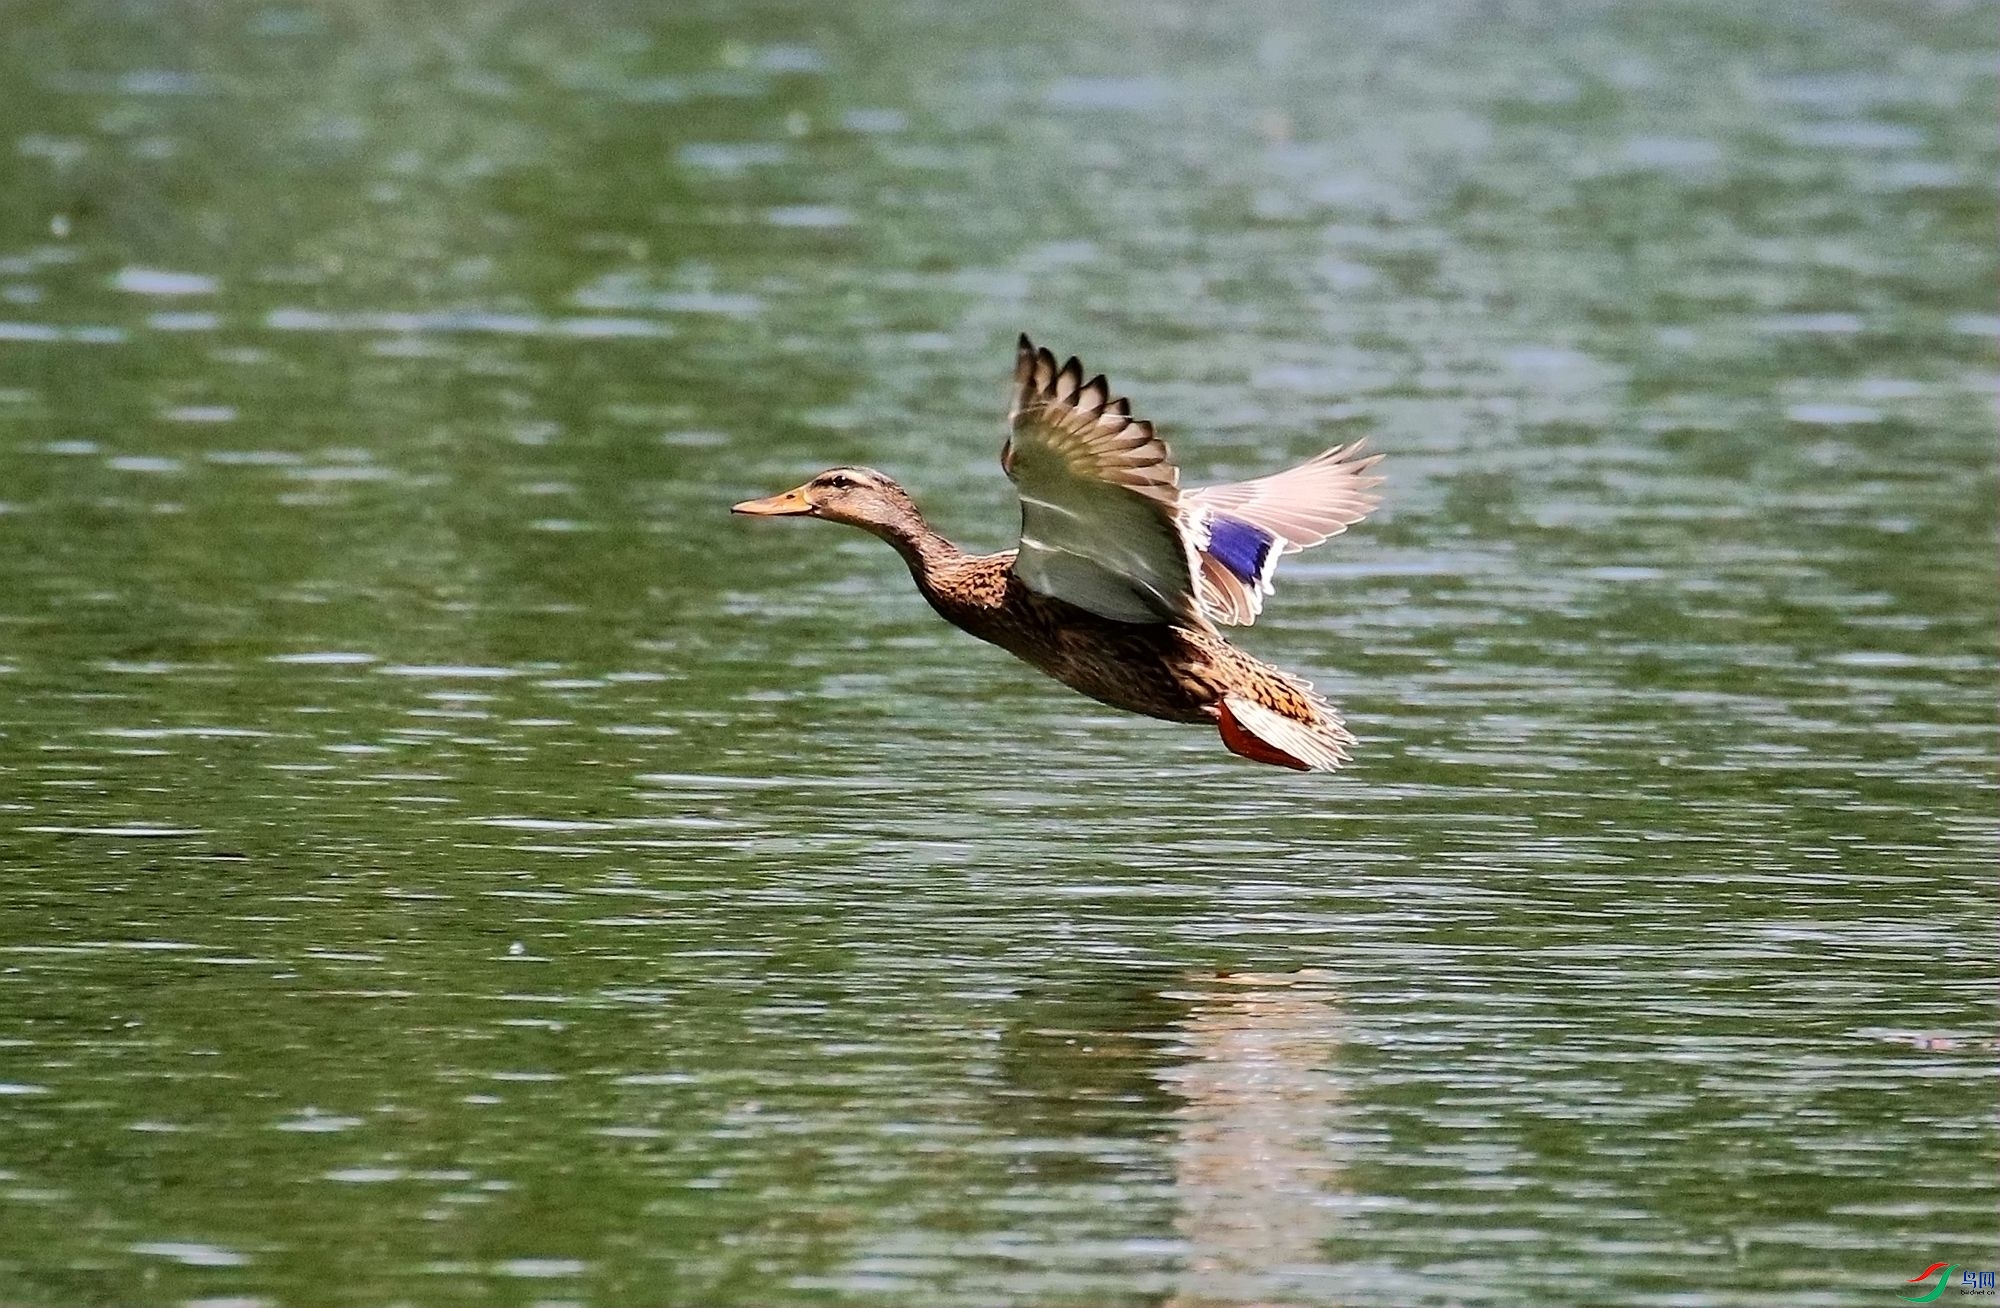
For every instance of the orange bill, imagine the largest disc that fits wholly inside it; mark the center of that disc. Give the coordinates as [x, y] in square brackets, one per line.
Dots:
[788, 504]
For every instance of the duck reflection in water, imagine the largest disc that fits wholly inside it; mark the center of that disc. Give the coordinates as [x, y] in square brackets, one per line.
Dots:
[1240, 1074]
[1254, 1152]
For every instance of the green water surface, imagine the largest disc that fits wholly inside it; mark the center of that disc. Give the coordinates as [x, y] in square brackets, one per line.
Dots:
[446, 860]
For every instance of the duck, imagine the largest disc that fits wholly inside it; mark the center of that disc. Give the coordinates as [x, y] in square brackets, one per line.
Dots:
[1123, 580]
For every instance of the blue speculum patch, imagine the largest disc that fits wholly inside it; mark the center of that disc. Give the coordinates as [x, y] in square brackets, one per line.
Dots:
[1239, 547]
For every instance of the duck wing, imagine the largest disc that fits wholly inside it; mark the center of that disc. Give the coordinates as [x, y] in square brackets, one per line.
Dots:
[1101, 521]
[1239, 531]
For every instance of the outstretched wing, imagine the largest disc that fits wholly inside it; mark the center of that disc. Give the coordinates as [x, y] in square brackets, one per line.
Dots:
[1100, 504]
[1240, 530]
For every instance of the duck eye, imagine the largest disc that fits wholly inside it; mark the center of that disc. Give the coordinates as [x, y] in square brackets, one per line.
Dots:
[840, 481]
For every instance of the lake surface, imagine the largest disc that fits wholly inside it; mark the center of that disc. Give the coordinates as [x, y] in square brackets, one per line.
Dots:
[449, 861]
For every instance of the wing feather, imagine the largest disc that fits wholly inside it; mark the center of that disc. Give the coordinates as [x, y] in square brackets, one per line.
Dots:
[1297, 509]
[1101, 525]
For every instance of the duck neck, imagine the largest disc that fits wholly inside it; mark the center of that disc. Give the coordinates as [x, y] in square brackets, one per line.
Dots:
[922, 547]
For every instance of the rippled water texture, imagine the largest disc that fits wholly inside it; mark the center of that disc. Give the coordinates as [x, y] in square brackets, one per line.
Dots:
[448, 860]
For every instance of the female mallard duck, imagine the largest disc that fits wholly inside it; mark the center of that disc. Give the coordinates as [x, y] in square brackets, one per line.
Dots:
[1120, 576]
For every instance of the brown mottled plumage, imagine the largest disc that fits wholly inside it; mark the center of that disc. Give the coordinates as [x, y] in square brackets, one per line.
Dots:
[1145, 641]
[1162, 670]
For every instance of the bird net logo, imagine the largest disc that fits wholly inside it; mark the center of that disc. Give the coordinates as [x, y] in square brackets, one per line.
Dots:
[1979, 1283]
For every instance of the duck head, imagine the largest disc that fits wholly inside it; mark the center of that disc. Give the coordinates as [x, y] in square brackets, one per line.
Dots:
[861, 497]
